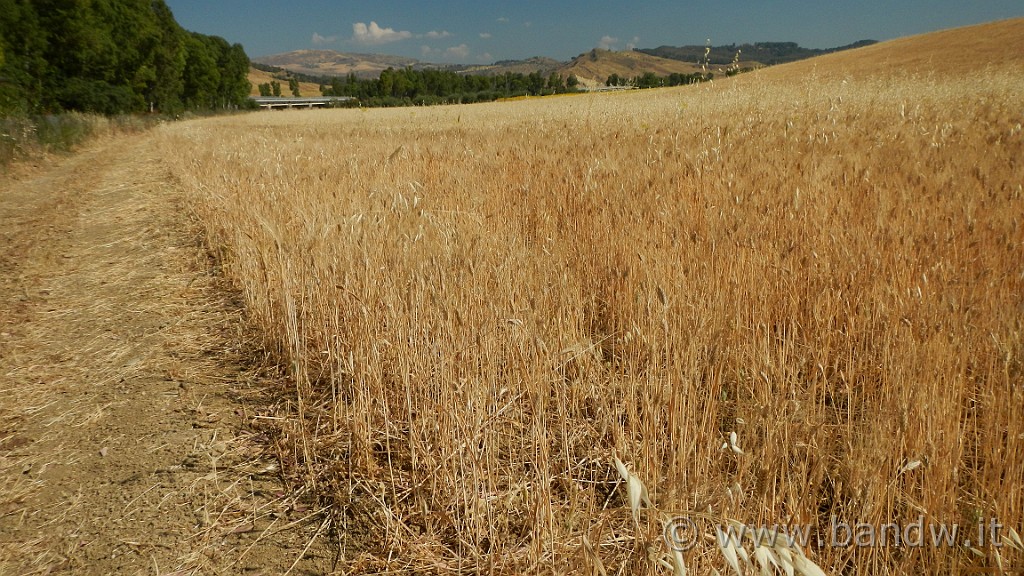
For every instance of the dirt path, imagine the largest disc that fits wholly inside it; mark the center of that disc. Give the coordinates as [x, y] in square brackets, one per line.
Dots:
[124, 445]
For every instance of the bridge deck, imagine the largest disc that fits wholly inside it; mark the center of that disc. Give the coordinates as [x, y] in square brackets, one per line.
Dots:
[271, 102]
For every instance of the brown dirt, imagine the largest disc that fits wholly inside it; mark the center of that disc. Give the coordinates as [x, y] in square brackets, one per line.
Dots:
[128, 421]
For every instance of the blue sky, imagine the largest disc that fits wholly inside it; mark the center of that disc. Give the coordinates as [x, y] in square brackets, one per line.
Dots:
[462, 31]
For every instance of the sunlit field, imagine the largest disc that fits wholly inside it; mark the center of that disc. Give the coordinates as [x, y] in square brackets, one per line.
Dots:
[476, 309]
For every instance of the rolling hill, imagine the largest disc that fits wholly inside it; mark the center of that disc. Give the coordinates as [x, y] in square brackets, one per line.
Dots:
[767, 53]
[953, 52]
[592, 68]
[257, 77]
[536, 64]
[332, 63]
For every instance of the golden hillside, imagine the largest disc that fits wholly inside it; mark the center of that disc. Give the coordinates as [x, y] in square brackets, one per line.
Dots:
[257, 77]
[594, 67]
[956, 52]
[333, 63]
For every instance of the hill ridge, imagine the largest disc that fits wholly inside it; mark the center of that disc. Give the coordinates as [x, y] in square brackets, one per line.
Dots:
[663, 60]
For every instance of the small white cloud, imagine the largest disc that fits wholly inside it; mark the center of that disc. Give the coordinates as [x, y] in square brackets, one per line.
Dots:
[374, 34]
[503, 20]
[607, 42]
[485, 35]
[631, 45]
[320, 40]
[435, 34]
[460, 52]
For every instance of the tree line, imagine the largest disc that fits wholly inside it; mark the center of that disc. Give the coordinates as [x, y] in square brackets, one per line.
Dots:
[652, 80]
[273, 88]
[406, 86]
[112, 57]
[412, 87]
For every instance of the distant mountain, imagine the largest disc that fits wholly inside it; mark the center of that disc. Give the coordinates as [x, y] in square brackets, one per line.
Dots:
[590, 68]
[766, 53]
[536, 64]
[331, 63]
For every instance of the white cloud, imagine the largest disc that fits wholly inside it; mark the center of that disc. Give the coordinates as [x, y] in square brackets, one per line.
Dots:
[503, 20]
[607, 42]
[320, 40]
[460, 52]
[485, 35]
[631, 45]
[374, 34]
[435, 34]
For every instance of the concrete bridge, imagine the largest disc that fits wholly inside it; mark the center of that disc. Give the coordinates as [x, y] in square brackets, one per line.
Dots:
[271, 102]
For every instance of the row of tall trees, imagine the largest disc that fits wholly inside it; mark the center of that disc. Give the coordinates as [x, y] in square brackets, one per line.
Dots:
[406, 85]
[652, 80]
[273, 88]
[112, 56]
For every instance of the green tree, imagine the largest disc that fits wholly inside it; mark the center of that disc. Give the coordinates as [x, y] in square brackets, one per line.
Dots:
[235, 85]
[167, 88]
[275, 88]
[535, 83]
[555, 83]
[201, 76]
[293, 86]
[648, 80]
[23, 44]
[112, 56]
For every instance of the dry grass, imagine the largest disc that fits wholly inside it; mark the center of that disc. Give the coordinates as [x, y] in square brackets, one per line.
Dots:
[119, 450]
[949, 54]
[257, 77]
[478, 306]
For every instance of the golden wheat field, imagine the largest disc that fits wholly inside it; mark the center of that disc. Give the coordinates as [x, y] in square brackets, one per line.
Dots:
[794, 297]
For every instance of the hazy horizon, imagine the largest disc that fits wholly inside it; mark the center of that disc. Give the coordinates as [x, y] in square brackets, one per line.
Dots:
[454, 31]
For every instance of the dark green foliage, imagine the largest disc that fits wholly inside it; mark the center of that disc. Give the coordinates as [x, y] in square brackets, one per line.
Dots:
[110, 57]
[648, 80]
[202, 77]
[652, 80]
[97, 96]
[409, 87]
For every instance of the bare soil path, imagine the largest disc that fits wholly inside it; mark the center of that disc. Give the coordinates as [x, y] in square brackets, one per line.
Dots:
[124, 446]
